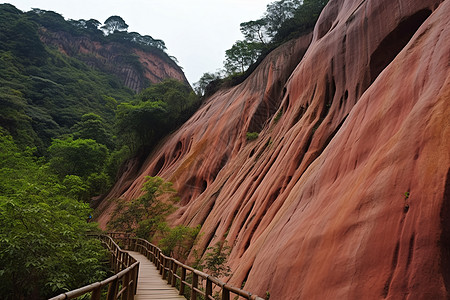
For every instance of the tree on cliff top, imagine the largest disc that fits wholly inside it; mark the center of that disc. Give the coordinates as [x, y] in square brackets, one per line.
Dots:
[113, 24]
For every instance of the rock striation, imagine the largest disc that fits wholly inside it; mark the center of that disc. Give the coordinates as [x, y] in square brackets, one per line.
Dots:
[136, 68]
[345, 192]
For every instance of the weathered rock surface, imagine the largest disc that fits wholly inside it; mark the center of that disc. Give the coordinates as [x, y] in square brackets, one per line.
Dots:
[345, 193]
[136, 69]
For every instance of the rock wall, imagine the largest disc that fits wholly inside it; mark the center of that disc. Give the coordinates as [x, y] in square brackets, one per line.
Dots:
[136, 68]
[345, 192]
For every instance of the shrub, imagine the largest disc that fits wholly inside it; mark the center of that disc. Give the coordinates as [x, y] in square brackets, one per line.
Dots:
[251, 136]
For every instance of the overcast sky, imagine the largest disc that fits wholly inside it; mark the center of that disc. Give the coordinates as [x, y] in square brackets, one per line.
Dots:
[196, 32]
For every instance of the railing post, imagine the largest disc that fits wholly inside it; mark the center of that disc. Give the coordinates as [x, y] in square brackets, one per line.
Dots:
[182, 279]
[96, 293]
[194, 286]
[112, 290]
[170, 272]
[174, 273]
[225, 293]
[162, 262]
[135, 280]
[126, 284]
[164, 266]
[208, 291]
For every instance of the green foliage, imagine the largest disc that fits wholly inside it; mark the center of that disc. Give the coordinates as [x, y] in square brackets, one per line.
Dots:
[141, 124]
[200, 86]
[177, 96]
[178, 241]
[80, 157]
[93, 127]
[44, 249]
[216, 259]
[157, 111]
[303, 20]
[278, 116]
[241, 55]
[282, 21]
[255, 31]
[145, 214]
[113, 24]
[251, 136]
[44, 93]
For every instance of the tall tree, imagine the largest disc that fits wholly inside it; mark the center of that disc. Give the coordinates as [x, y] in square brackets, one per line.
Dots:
[113, 24]
[80, 157]
[44, 248]
[255, 31]
[93, 127]
[241, 55]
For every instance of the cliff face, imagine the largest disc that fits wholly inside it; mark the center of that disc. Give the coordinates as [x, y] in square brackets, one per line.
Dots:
[136, 68]
[345, 193]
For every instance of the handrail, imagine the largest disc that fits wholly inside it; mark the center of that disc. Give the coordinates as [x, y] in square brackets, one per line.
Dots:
[120, 286]
[202, 283]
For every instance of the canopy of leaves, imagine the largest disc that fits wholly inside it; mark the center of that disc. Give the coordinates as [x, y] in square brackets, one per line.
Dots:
[156, 111]
[215, 261]
[113, 24]
[145, 214]
[241, 56]
[44, 249]
[80, 157]
[92, 126]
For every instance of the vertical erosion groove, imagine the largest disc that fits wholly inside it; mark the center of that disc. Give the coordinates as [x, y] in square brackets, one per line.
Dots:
[395, 41]
[158, 166]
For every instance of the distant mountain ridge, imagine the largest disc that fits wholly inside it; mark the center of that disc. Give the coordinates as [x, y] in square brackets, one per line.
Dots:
[135, 67]
[53, 71]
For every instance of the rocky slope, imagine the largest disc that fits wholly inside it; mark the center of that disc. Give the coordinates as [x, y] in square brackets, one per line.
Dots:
[345, 193]
[136, 69]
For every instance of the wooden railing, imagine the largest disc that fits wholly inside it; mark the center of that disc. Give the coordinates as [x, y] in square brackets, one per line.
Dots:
[180, 276]
[120, 286]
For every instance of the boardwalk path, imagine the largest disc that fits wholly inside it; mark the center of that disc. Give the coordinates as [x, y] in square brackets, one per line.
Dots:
[150, 284]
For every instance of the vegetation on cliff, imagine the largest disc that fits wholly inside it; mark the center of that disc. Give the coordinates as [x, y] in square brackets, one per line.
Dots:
[43, 246]
[65, 128]
[61, 105]
[282, 21]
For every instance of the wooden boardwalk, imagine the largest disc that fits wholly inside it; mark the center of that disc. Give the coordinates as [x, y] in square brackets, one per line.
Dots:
[150, 285]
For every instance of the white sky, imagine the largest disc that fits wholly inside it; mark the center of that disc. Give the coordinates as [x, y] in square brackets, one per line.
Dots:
[196, 32]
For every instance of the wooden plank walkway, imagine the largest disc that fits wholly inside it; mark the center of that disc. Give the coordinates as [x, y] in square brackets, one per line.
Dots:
[150, 285]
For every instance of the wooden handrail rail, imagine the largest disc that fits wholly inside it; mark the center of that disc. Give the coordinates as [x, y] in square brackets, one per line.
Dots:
[122, 285]
[168, 267]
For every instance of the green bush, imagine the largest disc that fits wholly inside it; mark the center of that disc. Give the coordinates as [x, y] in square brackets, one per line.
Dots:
[44, 248]
[251, 136]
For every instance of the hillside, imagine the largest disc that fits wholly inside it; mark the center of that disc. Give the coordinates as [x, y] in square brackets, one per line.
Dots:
[345, 192]
[56, 70]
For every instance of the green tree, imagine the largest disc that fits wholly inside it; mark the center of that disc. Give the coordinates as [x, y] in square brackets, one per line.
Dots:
[178, 241]
[241, 55]
[201, 85]
[176, 94]
[255, 31]
[44, 248]
[278, 12]
[113, 24]
[215, 261]
[93, 127]
[141, 124]
[146, 214]
[80, 157]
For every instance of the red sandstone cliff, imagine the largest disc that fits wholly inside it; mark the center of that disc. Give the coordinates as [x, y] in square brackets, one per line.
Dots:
[136, 68]
[345, 193]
